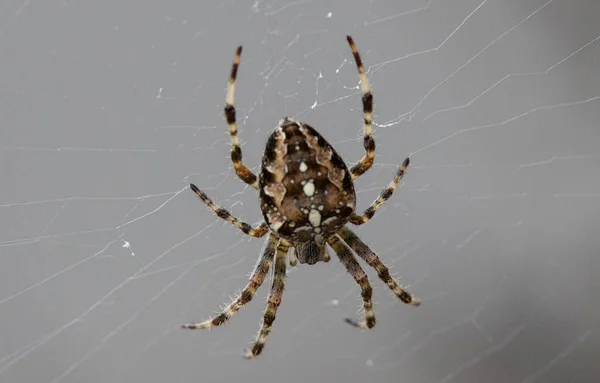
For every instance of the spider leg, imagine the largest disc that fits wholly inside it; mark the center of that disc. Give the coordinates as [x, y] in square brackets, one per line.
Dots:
[384, 196]
[273, 301]
[347, 258]
[367, 100]
[293, 259]
[256, 279]
[236, 151]
[258, 231]
[363, 251]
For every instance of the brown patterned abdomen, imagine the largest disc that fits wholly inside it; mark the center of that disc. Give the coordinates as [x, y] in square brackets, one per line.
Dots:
[306, 190]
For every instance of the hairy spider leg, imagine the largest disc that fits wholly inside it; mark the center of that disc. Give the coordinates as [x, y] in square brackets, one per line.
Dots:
[347, 258]
[257, 232]
[256, 280]
[367, 100]
[236, 151]
[273, 301]
[364, 252]
[384, 196]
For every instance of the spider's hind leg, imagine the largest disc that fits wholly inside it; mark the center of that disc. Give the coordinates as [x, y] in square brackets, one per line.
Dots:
[347, 258]
[256, 279]
[363, 251]
[273, 301]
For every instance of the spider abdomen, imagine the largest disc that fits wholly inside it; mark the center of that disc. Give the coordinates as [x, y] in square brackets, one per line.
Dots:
[306, 189]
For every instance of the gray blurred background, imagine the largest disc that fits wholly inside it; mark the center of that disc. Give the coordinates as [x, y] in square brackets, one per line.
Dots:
[110, 108]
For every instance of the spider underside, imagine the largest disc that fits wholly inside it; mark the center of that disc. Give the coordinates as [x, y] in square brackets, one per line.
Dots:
[306, 196]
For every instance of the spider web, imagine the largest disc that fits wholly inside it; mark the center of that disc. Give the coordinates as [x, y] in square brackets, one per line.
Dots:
[110, 109]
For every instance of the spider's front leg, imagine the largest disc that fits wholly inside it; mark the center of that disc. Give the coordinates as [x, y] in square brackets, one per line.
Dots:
[258, 231]
[367, 100]
[236, 151]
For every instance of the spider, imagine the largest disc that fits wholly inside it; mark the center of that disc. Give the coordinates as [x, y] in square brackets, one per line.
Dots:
[306, 198]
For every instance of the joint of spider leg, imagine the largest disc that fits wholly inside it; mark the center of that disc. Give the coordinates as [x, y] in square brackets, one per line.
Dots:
[386, 193]
[246, 297]
[369, 143]
[269, 318]
[246, 228]
[367, 100]
[383, 273]
[230, 116]
[222, 213]
[236, 154]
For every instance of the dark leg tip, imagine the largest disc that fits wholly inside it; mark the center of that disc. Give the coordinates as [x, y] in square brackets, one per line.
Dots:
[354, 323]
[406, 162]
[366, 325]
[194, 188]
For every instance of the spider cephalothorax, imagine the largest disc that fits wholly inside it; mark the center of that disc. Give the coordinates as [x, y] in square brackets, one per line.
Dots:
[306, 190]
[306, 197]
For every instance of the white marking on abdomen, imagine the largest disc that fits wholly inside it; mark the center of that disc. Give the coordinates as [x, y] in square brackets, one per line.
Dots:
[309, 188]
[314, 217]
